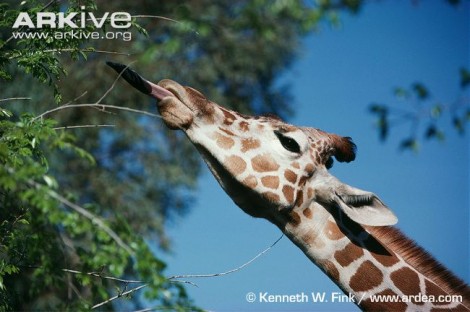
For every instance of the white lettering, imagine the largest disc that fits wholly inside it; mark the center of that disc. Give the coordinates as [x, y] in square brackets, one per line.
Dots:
[118, 18]
[96, 21]
[61, 20]
[67, 20]
[23, 19]
[300, 297]
[318, 296]
[46, 18]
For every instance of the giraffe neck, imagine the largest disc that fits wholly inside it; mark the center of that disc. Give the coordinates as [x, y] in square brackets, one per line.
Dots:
[278, 171]
[373, 262]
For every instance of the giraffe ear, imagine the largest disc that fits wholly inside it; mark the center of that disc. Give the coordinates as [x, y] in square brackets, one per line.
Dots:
[364, 207]
[344, 148]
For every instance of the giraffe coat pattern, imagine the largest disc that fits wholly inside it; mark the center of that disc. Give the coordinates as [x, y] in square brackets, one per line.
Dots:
[279, 172]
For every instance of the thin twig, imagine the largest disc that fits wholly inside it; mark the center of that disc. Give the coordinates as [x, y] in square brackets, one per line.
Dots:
[78, 97]
[100, 106]
[114, 83]
[85, 51]
[15, 98]
[118, 296]
[98, 274]
[82, 126]
[229, 271]
[157, 17]
[92, 217]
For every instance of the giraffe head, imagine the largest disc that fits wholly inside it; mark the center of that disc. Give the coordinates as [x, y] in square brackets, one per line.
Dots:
[268, 167]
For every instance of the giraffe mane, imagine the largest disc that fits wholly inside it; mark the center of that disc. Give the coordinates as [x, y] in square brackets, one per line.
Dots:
[421, 260]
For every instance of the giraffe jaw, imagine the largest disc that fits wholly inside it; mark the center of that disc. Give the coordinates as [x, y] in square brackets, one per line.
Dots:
[242, 195]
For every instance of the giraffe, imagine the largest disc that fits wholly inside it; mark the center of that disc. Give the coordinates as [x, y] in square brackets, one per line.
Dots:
[279, 172]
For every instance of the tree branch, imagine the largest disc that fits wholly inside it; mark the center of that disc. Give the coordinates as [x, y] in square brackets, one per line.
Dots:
[114, 83]
[98, 274]
[229, 271]
[101, 107]
[82, 126]
[15, 98]
[92, 217]
[118, 296]
[121, 294]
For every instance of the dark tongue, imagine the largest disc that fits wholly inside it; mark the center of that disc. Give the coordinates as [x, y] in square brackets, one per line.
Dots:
[138, 82]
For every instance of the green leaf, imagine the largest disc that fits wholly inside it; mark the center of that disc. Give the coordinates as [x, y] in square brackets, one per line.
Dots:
[459, 124]
[436, 111]
[464, 77]
[400, 92]
[420, 90]
[409, 144]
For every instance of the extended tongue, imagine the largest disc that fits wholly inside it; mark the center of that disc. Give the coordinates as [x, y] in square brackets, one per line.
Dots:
[140, 83]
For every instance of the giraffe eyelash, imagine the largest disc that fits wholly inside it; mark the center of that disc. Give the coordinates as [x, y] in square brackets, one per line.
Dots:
[288, 143]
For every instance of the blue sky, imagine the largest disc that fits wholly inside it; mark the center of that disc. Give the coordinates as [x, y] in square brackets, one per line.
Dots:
[340, 72]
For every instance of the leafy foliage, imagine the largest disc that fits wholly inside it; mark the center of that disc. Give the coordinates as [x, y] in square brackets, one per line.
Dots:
[41, 236]
[422, 109]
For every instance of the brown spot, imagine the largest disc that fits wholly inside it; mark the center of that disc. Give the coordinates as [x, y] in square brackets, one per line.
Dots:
[433, 289]
[250, 143]
[332, 231]
[290, 176]
[235, 164]
[229, 117]
[286, 128]
[264, 163]
[244, 126]
[309, 168]
[406, 280]
[310, 192]
[272, 197]
[227, 131]
[310, 238]
[250, 181]
[302, 180]
[367, 305]
[330, 269]
[270, 181]
[209, 119]
[379, 252]
[300, 198]
[347, 255]
[295, 165]
[224, 141]
[307, 213]
[288, 193]
[366, 277]
[294, 218]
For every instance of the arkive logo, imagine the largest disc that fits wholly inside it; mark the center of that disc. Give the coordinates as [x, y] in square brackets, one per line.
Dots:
[74, 20]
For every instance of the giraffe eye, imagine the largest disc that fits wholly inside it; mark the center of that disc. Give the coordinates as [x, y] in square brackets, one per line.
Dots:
[288, 143]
